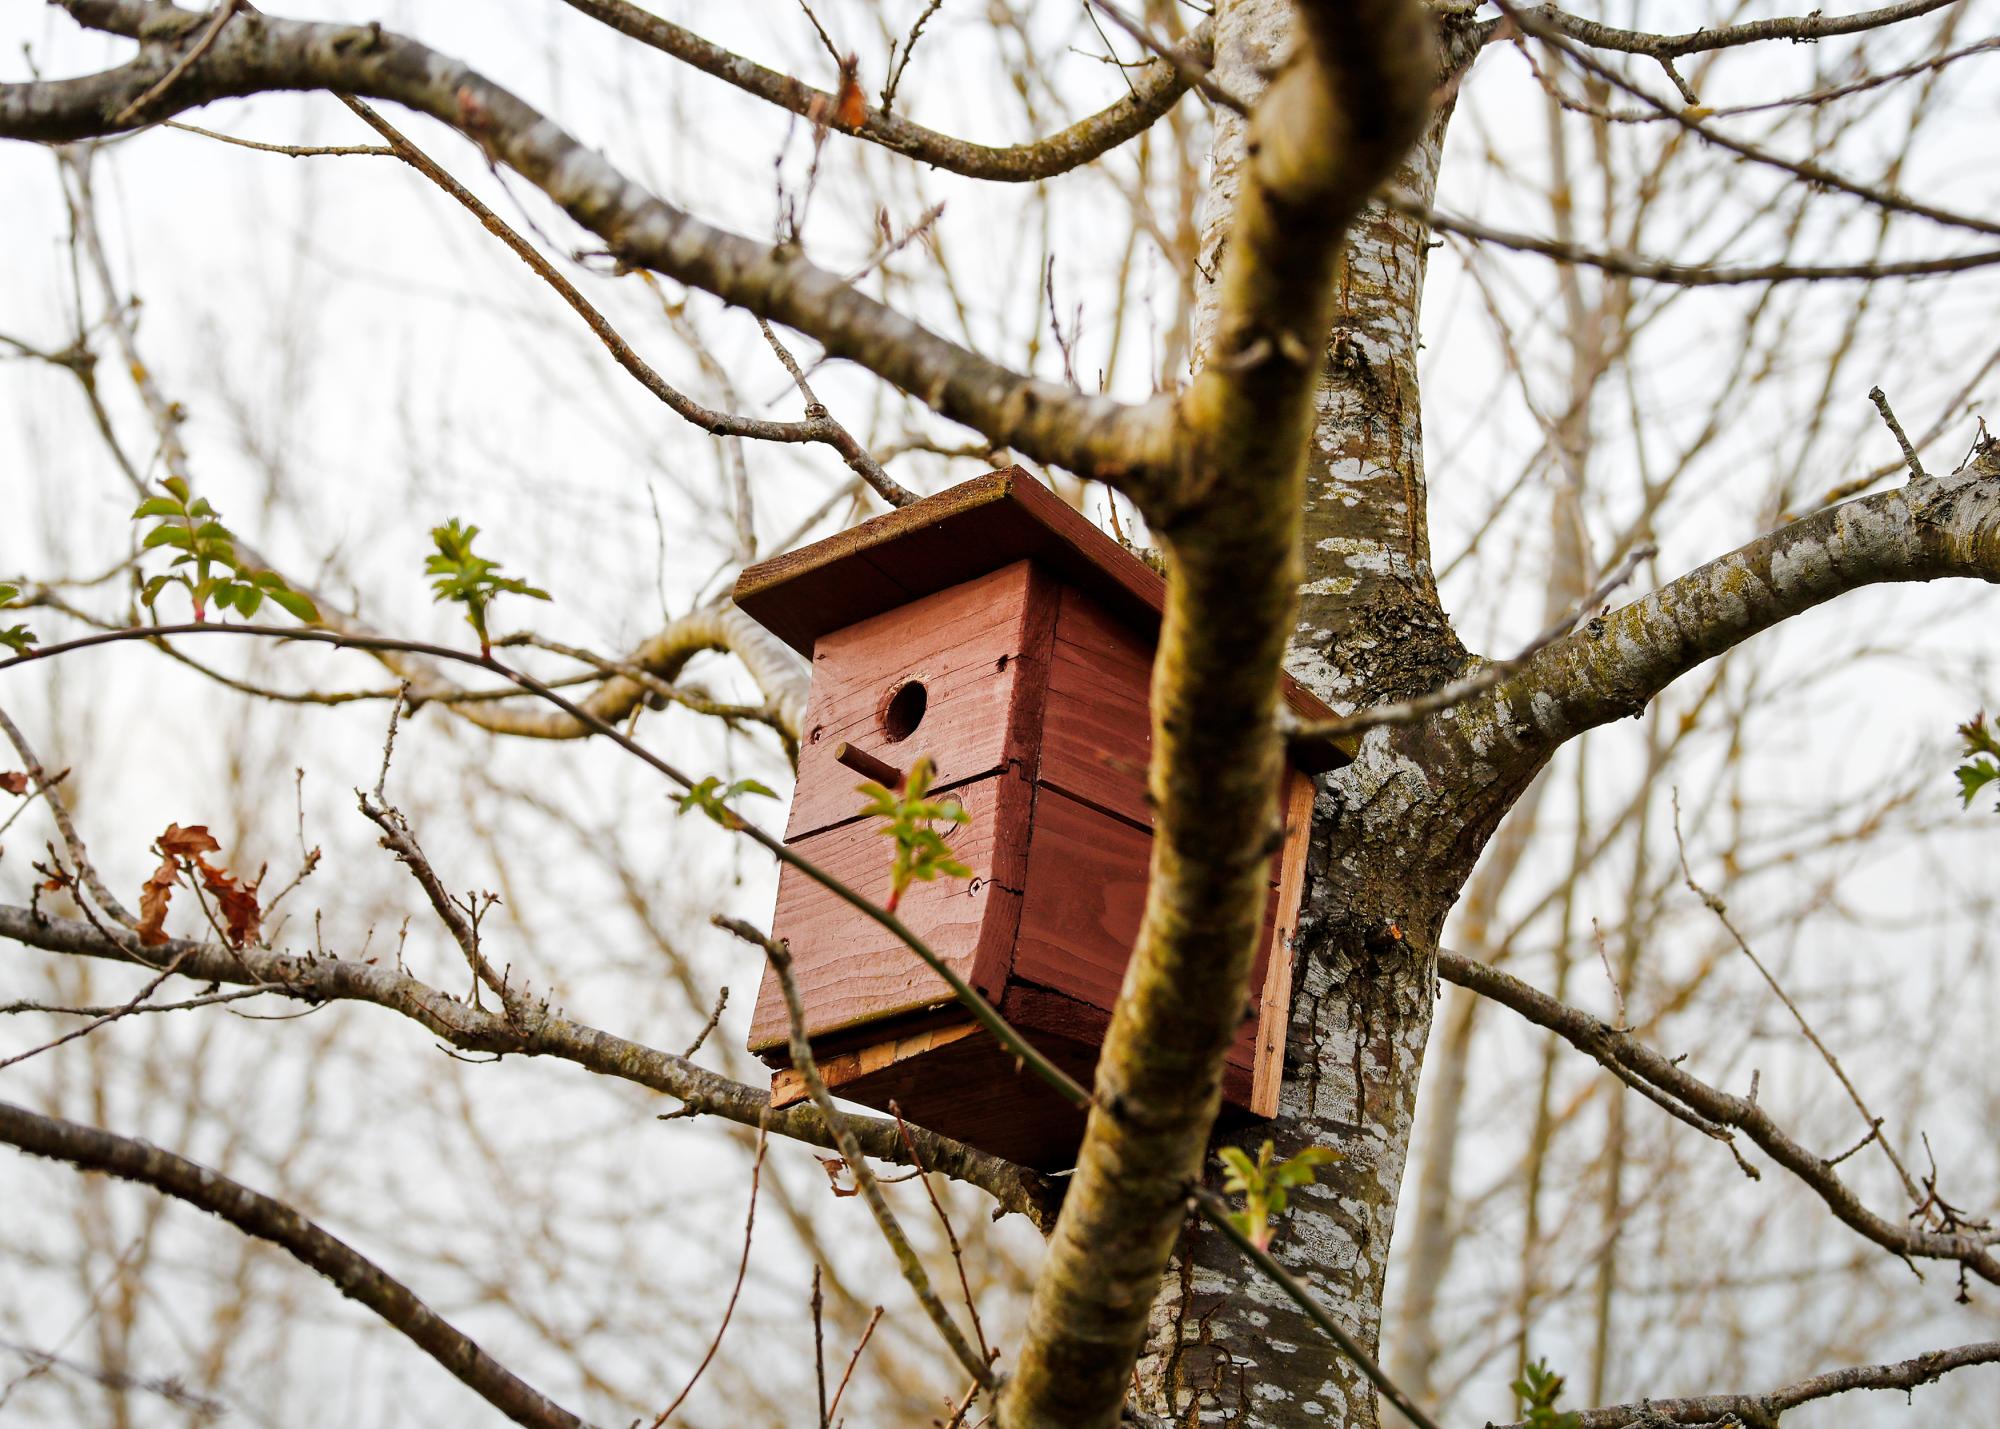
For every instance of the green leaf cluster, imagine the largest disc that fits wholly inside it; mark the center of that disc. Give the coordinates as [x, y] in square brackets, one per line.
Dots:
[208, 564]
[712, 797]
[908, 817]
[14, 637]
[459, 574]
[1265, 1185]
[1982, 759]
[1538, 1388]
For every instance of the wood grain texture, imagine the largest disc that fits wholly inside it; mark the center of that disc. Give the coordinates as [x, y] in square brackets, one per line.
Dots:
[1274, 1012]
[850, 970]
[1085, 894]
[980, 651]
[1097, 737]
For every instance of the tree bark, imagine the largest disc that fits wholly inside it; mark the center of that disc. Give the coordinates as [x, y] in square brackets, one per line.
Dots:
[1390, 851]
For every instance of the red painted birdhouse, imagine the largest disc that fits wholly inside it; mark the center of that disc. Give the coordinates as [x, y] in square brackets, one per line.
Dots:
[996, 631]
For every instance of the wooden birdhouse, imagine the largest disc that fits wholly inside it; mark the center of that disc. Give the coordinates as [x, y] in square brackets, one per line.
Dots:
[995, 630]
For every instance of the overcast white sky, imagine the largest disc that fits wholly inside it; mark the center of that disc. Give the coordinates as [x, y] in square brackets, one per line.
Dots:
[359, 362]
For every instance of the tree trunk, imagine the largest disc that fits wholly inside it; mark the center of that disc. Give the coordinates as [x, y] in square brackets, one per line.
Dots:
[1393, 838]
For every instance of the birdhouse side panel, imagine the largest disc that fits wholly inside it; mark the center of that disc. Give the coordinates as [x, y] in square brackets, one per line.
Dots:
[1098, 735]
[956, 676]
[1086, 895]
[1086, 891]
[850, 970]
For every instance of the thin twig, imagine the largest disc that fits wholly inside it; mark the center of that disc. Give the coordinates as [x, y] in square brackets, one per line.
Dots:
[389, 741]
[780, 960]
[290, 151]
[59, 811]
[819, 1346]
[853, 1360]
[1649, 269]
[1189, 69]
[206, 1000]
[1721, 911]
[181, 66]
[109, 1015]
[950, 1235]
[902, 61]
[858, 460]
[742, 1267]
[353, 1274]
[715, 1016]
[1910, 458]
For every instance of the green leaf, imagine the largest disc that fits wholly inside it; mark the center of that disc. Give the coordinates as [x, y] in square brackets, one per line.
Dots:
[1537, 1389]
[1265, 1185]
[461, 576]
[167, 536]
[17, 638]
[293, 603]
[922, 854]
[1981, 747]
[158, 506]
[1973, 777]
[712, 799]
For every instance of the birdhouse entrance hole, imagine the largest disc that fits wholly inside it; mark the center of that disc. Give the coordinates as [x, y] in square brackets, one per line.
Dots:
[905, 711]
[996, 631]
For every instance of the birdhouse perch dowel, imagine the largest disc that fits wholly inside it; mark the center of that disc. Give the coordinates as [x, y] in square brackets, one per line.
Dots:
[995, 631]
[867, 765]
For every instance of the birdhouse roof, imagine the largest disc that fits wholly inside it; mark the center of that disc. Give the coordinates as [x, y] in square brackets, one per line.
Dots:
[955, 536]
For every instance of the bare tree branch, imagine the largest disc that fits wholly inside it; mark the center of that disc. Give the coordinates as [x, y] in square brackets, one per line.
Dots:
[353, 1274]
[1124, 446]
[1624, 1054]
[1152, 96]
[1921, 531]
[1799, 29]
[1761, 1411]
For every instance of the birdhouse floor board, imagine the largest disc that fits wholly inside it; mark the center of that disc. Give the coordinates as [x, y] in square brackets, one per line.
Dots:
[952, 1078]
[961, 1083]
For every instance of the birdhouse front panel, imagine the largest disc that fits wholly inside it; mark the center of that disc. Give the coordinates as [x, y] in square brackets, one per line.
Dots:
[995, 631]
[956, 677]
